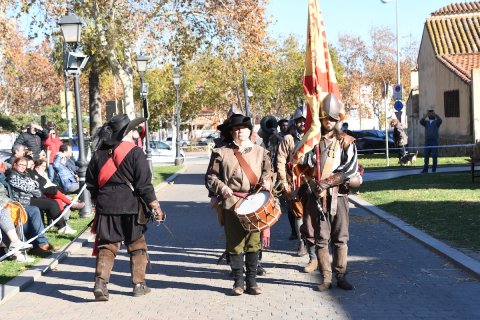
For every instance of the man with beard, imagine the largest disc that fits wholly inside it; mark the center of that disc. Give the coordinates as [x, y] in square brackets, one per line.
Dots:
[327, 199]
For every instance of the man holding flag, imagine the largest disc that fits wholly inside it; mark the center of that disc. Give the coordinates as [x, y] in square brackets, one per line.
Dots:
[330, 152]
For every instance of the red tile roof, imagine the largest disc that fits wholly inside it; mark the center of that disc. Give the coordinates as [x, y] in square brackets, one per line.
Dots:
[458, 8]
[461, 64]
[455, 34]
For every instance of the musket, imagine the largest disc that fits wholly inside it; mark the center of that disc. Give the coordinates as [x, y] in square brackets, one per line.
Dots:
[245, 92]
[319, 204]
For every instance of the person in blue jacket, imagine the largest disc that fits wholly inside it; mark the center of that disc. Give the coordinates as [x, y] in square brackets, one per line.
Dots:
[432, 123]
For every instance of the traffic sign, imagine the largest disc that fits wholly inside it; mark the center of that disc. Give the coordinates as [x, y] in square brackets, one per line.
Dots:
[398, 105]
[397, 92]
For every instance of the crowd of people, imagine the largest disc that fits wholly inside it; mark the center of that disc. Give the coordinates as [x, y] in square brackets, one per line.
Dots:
[36, 180]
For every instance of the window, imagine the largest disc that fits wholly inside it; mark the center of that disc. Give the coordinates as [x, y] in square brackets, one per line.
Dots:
[451, 102]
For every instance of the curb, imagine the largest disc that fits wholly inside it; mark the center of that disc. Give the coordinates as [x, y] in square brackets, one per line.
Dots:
[465, 262]
[23, 280]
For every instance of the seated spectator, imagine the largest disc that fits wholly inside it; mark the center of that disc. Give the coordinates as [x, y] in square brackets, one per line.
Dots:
[52, 145]
[27, 192]
[18, 150]
[49, 189]
[32, 139]
[66, 170]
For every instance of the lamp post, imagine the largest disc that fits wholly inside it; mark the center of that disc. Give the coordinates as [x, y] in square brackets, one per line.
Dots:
[176, 82]
[71, 26]
[142, 62]
[398, 41]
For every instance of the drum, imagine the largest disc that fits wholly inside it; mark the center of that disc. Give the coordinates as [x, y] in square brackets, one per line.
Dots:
[258, 211]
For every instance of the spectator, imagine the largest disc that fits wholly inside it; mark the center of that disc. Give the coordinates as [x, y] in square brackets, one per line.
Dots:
[32, 139]
[18, 150]
[431, 122]
[49, 189]
[27, 192]
[66, 169]
[400, 138]
[52, 145]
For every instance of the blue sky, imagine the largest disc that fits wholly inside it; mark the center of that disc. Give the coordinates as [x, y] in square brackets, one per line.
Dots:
[354, 17]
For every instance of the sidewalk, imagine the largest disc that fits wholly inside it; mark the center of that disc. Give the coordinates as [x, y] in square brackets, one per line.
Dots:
[395, 276]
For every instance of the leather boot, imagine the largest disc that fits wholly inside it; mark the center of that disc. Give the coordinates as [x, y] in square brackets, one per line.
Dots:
[138, 265]
[251, 262]
[313, 263]
[302, 249]
[105, 259]
[236, 263]
[340, 266]
[325, 269]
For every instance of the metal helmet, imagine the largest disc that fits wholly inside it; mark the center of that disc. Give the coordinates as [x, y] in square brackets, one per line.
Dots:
[355, 182]
[331, 107]
[299, 113]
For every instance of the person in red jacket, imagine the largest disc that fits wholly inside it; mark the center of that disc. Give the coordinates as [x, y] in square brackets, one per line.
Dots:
[52, 146]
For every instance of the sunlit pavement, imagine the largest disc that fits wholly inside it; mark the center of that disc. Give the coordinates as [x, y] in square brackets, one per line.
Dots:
[394, 276]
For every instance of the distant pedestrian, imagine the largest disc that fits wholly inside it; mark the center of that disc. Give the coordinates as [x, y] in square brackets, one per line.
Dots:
[400, 138]
[52, 146]
[32, 139]
[432, 123]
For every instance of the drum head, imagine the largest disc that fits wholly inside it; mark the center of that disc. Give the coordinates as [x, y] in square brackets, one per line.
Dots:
[253, 202]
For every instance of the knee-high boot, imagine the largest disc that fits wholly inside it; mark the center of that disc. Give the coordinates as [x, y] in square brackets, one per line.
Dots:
[236, 263]
[105, 260]
[325, 268]
[340, 266]
[251, 262]
[138, 266]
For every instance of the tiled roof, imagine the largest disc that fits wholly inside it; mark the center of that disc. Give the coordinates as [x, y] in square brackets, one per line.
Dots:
[455, 34]
[461, 64]
[458, 8]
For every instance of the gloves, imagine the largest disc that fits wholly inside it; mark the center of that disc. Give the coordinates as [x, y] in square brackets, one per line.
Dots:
[334, 180]
[158, 213]
[265, 236]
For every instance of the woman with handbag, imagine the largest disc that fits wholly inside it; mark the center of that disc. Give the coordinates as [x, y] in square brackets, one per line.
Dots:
[227, 178]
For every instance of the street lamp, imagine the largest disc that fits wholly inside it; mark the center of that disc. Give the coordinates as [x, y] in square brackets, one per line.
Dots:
[176, 82]
[142, 62]
[74, 62]
[398, 41]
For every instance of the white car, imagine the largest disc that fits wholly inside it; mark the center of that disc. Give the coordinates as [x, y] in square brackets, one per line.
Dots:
[164, 153]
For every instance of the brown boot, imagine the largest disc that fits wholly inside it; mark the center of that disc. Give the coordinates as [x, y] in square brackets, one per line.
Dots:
[105, 259]
[340, 255]
[325, 269]
[311, 266]
[138, 265]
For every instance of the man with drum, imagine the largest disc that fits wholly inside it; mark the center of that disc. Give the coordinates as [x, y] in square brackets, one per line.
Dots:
[284, 165]
[327, 198]
[235, 170]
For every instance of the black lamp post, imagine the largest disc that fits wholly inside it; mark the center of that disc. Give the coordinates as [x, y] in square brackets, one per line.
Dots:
[74, 62]
[176, 82]
[142, 62]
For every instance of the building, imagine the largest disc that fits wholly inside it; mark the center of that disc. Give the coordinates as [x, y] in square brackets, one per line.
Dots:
[448, 75]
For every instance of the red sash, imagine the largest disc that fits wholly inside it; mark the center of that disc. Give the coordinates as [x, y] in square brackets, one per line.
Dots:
[112, 164]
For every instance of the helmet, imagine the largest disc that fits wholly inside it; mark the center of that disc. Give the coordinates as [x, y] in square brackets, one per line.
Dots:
[331, 107]
[355, 182]
[299, 113]
[268, 124]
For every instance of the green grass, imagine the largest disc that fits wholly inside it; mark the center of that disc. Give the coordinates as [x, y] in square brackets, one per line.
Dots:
[10, 269]
[160, 173]
[379, 161]
[445, 205]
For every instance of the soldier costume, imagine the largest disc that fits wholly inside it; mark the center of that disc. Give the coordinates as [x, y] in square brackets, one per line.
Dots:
[226, 178]
[118, 178]
[327, 200]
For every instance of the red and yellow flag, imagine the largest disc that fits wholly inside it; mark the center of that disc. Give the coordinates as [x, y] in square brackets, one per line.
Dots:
[318, 80]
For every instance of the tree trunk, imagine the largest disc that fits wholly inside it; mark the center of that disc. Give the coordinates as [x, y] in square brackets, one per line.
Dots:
[95, 99]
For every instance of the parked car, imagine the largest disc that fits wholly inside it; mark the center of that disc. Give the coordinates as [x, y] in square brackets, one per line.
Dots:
[183, 142]
[206, 140]
[5, 155]
[372, 141]
[162, 152]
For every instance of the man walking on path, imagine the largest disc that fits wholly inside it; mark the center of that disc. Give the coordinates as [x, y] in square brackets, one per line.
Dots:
[431, 122]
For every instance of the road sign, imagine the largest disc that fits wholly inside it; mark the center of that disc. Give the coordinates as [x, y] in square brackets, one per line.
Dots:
[398, 105]
[397, 92]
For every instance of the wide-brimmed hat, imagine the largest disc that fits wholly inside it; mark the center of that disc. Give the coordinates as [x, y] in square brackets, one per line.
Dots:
[120, 126]
[239, 120]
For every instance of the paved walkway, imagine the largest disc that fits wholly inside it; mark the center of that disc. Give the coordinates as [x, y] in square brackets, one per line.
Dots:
[395, 276]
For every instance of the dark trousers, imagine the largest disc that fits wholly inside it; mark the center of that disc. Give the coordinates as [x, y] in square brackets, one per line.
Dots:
[430, 152]
[49, 206]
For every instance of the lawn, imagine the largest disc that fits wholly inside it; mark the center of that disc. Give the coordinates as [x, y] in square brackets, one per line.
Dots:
[10, 269]
[379, 161]
[445, 205]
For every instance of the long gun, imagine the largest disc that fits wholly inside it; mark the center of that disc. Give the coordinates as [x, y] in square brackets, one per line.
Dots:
[319, 205]
[245, 92]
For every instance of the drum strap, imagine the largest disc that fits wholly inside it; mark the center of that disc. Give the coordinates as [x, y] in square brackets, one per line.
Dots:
[252, 178]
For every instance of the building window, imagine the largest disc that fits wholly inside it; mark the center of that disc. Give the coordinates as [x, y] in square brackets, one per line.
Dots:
[451, 102]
